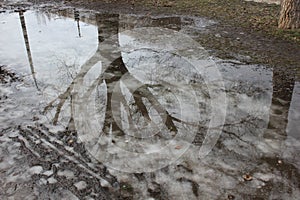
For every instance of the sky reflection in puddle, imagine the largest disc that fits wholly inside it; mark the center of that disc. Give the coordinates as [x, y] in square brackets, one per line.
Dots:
[258, 124]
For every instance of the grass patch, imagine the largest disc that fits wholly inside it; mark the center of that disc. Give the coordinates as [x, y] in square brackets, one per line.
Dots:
[289, 34]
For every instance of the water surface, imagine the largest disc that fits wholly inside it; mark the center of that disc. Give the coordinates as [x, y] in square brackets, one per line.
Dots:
[137, 94]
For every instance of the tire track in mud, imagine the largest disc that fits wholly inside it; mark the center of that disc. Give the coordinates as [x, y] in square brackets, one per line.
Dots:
[65, 165]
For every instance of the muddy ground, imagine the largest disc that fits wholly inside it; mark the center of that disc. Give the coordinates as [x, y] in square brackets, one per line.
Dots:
[42, 161]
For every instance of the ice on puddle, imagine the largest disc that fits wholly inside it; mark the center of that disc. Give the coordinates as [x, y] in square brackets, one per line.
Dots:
[67, 173]
[36, 170]
[48, 173]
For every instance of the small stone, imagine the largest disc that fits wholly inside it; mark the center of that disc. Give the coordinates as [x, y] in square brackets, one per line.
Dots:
[80, 185]
[168, 4]
[178, 147]
[116, 185]
[71, 141]
[230, 196]
[279, 161]
[104, 183]
[43, 181]
[51, 180]
[247, 177]
[35, 118]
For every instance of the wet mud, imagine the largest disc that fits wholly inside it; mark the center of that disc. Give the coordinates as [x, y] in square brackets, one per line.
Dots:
[118, 105]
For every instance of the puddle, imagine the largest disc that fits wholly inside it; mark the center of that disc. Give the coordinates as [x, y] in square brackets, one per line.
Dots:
[137, 95]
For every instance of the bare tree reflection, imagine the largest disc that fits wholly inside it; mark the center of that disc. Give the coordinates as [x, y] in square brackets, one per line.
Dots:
[281, 99]
[77, 19]
[26, 40]
[112, 72]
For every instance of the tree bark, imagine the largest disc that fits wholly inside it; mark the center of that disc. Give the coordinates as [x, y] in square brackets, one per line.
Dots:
[289, 14]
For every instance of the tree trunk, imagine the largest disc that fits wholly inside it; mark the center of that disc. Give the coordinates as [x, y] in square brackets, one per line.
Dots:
[290, 14]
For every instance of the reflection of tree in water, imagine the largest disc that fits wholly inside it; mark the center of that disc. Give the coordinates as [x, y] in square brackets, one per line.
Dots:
[111, 75]
[77, 19]
[108, 28]
[26, 40]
